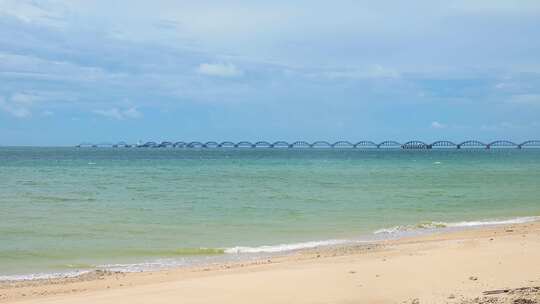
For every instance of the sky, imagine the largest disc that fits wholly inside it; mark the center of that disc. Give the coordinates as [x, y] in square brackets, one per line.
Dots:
[99, 71]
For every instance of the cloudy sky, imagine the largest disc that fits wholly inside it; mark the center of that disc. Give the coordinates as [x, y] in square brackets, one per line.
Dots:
[105, 71]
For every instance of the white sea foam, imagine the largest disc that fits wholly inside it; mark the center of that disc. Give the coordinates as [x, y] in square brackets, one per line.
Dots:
[43, 276]
[286, 247]
[144, 266]
[241, 251]
[517, 220]
[439, 225]
[393, 230]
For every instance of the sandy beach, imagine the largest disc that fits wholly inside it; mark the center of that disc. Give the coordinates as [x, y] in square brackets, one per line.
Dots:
[481, 265]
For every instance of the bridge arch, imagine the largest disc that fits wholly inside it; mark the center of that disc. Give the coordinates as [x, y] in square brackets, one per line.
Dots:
[342, 144]
[530, 144]
[211, 144]
[244, 144]
[389, 144]
[502, 144]
[165, 144]
[195, 144]
[365, 144]
[149, 144]
[180, 144]
[300, 144]
[415, 144]
[85, 145]
[122, 144]
[263, 144]
[443, 144]
[226, 144]
[321, 144]
[472, 144]
[281, 144]
[104, 145]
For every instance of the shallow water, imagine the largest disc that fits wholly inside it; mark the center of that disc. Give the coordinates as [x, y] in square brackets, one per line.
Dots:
[65, 209]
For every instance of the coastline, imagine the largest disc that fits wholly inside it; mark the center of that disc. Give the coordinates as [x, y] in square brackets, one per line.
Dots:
[439, 267]
[203, 257]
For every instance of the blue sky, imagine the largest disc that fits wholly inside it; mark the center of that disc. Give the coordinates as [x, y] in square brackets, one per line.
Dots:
[94, 71]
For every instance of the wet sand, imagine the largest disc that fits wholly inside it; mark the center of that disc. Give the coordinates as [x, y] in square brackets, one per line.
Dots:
[480, 265]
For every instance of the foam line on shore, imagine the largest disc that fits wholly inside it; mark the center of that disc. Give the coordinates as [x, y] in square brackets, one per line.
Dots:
[44, 275]
[463, 224]
[245, 251]
[286, 247]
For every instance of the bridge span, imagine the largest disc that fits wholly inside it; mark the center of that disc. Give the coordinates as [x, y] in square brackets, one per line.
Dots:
[341, 144]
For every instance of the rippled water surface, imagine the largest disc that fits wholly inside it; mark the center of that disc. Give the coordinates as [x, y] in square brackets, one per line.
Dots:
[68, 208]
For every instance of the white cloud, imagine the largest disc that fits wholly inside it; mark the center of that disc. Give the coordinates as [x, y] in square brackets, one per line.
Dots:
[505, 125]
[17, 106]
[23, 99]
[32, 67]
[111, 113]
[119, 114]
[507, 86]
[42, 12]
[437, 125]
[532, 99]
[22, 104]
[132, 113]
[369, 72]
[19, 112]
[378, 71]
[219, 70]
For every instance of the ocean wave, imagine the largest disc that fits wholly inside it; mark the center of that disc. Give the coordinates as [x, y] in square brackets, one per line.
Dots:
[464, 224]
[193, 256]
[43, 276]
[144, 266]
[189, 257]
[286, 247]
[517, 220]
[183, 252]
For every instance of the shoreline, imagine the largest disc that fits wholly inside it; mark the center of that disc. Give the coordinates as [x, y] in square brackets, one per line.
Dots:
[247, 254]
[125, 285]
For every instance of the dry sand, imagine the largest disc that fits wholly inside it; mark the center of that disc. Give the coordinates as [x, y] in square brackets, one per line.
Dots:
[489, 265]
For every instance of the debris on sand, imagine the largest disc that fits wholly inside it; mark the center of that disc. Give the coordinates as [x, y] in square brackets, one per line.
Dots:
[523, 295]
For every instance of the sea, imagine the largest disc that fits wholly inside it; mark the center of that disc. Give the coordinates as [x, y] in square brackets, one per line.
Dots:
[66, 211]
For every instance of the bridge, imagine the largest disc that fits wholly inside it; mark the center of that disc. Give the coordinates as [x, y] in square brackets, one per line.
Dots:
[342, 144]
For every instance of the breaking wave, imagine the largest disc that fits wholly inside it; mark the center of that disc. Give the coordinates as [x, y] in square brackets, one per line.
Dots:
[464, 224]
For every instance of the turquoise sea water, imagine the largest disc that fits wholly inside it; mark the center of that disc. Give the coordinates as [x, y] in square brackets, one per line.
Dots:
[65, 209]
